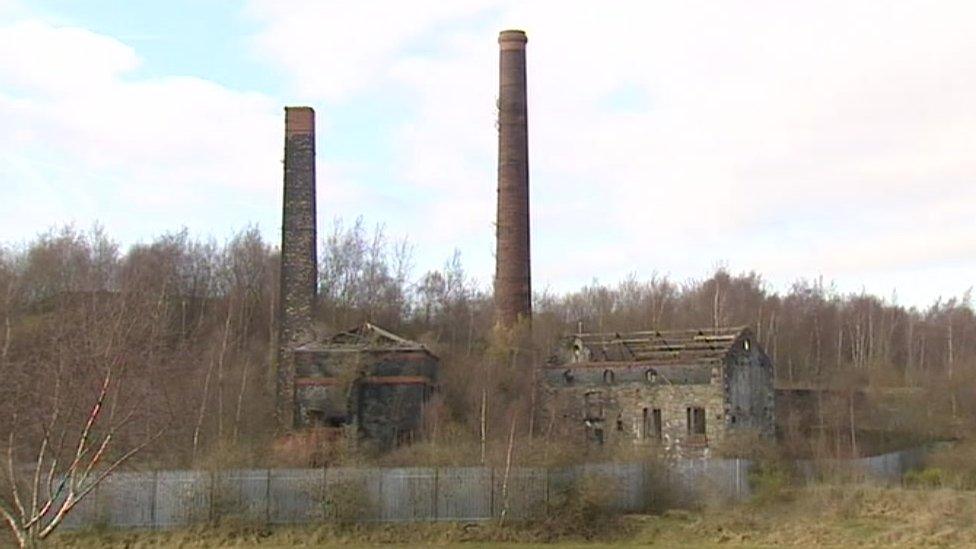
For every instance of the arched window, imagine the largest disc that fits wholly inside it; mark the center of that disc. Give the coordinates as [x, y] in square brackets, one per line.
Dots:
[608, 376]
[745, 344]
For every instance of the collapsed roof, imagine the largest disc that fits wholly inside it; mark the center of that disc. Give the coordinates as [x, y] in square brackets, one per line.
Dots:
[365, 337]
[650, 347]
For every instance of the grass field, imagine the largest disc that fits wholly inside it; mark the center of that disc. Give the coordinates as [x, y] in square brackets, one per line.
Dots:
[840, 516]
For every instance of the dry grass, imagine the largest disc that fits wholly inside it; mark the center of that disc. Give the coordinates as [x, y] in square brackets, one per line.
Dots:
[826, 515]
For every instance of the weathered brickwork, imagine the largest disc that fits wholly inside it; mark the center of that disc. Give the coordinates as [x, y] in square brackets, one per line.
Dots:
[367, 381]
[684, 392]
[299, 273]
[390, 413]
[513, 285]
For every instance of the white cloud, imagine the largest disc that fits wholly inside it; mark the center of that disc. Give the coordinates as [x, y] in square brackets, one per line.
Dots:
[85, 139]
[335, 48]
[12, 8]
[798, 139]
[804, 137]
[39, 58]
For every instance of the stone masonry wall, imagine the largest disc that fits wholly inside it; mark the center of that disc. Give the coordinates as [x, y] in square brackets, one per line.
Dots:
[623, 404]
[299, 272]
[605, 400]
[748, 377]
[381, 393]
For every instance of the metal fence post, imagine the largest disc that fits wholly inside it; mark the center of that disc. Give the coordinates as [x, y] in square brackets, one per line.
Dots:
[152, 500]
[436, 487]
[213, 491]
[644, 486]
[379, 494]
[99, 504]
[491, 492]
[548, 486]
[738, 479]
[267, 499]
[324, 493]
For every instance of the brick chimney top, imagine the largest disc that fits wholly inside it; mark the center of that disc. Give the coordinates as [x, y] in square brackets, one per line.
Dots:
[512, 39]
[299, 120]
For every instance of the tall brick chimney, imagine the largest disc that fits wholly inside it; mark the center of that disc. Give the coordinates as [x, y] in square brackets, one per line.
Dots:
[513, 287]
[299, 270]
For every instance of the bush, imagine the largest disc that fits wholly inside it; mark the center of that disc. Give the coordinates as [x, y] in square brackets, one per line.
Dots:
[583, 510]
[665, 495]
[957, 463]
[347, 502]
[929, 477]
[770, 482]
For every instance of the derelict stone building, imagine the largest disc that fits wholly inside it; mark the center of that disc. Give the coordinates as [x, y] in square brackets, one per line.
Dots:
[368, 379]
[685, 391]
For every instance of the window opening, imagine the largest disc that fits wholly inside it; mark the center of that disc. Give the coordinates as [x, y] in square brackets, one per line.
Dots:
[696, 421]
[593, 404]
[651, 423]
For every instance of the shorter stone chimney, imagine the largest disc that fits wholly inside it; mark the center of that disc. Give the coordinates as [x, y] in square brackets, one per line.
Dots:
[299, 268]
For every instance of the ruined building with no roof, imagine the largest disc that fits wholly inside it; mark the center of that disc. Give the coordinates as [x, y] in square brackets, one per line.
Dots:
[368, 377]
[366, 382]
[684, 392]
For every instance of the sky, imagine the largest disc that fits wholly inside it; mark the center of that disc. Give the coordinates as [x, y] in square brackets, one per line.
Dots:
[800, 140]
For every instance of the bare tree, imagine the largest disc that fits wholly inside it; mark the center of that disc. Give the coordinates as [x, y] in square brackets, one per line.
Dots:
[69, 462]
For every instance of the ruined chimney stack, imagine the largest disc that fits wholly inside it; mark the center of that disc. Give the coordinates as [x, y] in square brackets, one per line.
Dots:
[299, 268]
[513, 288]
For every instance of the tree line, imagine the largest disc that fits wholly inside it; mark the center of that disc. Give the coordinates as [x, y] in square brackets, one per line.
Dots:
[188, 325]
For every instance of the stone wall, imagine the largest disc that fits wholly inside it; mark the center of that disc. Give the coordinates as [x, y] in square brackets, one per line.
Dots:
[318, 362]
[748, 378]
[321, 404]
[381, 394]
[391, 413]
[615, 401]
[299, 272]
[573, 405]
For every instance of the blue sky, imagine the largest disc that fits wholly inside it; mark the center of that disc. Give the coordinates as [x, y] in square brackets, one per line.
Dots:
[797, 139]
[202, 39]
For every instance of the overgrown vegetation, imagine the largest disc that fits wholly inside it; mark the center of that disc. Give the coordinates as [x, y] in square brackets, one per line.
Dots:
[951, 466]
[199, 315]
[584, 511]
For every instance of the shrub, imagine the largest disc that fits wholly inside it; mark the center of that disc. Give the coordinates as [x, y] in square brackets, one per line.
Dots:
[929, 477]
[664, 494]
[583, 510]
[770, 482]
[347, 502]
[957, 462]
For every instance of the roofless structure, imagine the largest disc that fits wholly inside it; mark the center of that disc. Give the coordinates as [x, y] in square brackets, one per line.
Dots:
[365, 381]
[685, 391]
